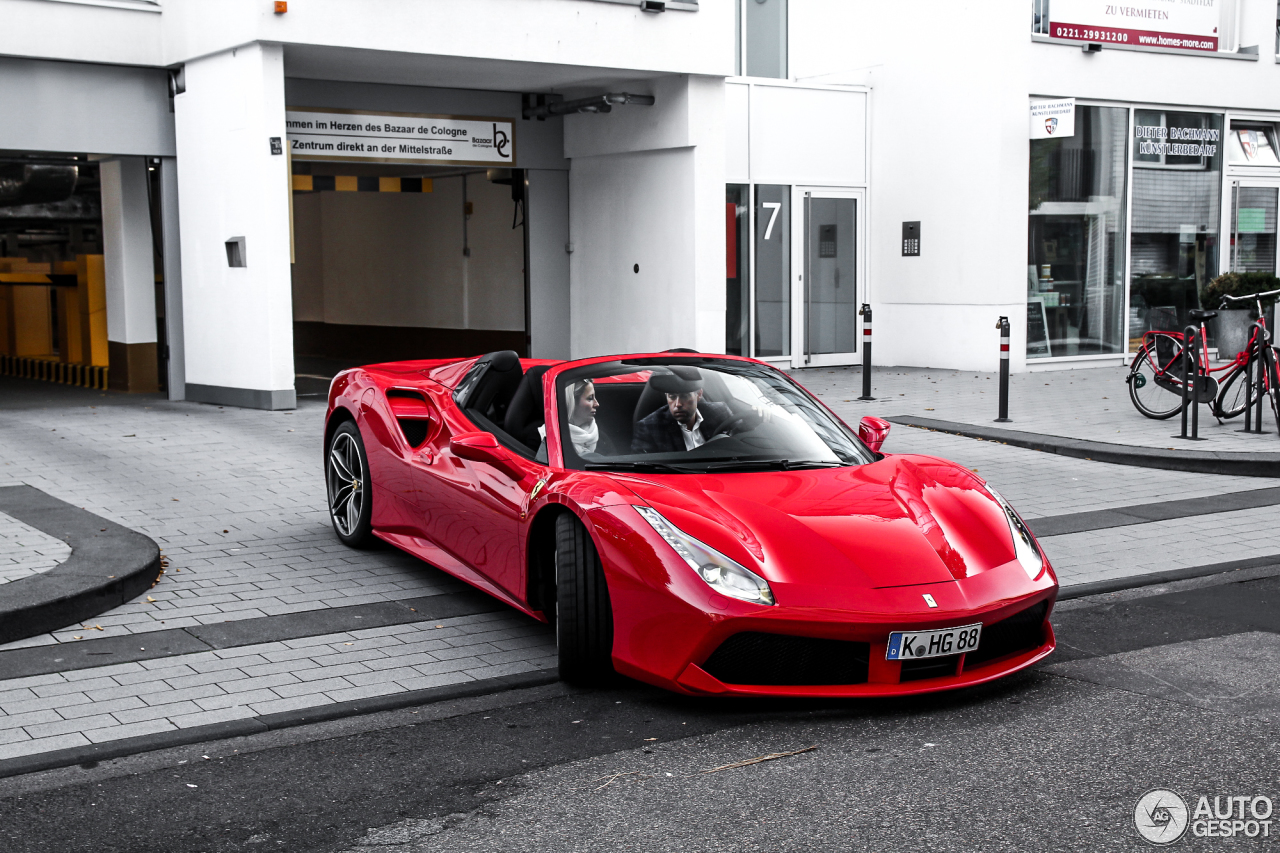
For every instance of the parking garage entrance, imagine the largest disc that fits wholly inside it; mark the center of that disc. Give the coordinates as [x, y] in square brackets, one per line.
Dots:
[404, 260]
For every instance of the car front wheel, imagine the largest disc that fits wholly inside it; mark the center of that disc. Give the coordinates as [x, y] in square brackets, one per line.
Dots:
[584, 616]
[350, 490]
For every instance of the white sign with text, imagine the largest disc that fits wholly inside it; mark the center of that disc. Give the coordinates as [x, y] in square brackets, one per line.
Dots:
[1053, 118]
[1177, 24]
[321, 134]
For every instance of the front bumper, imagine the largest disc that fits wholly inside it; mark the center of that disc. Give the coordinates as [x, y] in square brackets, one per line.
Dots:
[668, 624]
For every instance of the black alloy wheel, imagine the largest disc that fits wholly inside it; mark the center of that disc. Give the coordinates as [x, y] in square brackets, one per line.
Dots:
[584, 615]
[350, 490]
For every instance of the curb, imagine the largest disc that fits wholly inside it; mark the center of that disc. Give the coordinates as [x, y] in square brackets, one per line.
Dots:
[1193, 461]
[109, 565]
[1155, 578]
[266, 723]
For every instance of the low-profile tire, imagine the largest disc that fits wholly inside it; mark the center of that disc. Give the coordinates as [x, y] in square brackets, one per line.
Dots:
[350, 491]
[584, 615]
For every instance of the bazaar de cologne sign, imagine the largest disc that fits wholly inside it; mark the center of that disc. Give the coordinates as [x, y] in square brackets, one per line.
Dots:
[315, 133]
[1175, 24]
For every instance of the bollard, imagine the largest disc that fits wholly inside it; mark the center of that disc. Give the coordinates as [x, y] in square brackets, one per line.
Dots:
[1190, 384]
[866, 352]
[1003, 325]
[1248, 383]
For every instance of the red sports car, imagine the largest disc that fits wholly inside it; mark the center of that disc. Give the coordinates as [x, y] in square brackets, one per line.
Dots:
[698, 522]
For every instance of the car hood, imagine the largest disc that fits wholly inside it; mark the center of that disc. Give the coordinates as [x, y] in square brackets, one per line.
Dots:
[901, 521]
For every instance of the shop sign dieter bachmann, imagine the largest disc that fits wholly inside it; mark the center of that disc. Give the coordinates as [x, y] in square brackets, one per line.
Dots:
[1176, 24]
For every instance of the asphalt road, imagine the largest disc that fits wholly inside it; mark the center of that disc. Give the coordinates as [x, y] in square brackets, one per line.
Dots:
[1174, 688]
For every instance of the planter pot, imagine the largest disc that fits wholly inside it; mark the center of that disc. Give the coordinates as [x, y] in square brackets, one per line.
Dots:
[1231, 331]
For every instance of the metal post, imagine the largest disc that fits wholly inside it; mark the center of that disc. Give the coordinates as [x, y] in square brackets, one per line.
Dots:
[1248, 384]
[1003, 325]
[1190, 384]
[866, 352]
[1261, 379]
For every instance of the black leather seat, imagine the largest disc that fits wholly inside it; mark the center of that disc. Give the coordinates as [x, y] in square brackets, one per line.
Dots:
[494, 379]
[1197, 314]
[527, 411]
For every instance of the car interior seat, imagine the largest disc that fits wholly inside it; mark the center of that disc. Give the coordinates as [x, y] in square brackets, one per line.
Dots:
[495, 378]
[527, 410]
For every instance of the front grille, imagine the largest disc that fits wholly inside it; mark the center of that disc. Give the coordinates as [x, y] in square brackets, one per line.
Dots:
[757, 658]
[914, 670]
[1021, 632]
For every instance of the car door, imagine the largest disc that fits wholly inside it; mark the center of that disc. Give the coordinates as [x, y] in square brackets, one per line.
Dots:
[474, 508]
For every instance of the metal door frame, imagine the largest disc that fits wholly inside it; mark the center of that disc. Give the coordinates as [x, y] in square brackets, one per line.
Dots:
[1232, 207]
[800, 195]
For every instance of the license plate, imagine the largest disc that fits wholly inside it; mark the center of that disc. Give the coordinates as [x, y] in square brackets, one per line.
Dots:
[914, 645]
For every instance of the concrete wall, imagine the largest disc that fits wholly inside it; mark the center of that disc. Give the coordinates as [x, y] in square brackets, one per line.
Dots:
[395, 259]
[237, 321]
[538, 32]
[79, 108]
[647, 189]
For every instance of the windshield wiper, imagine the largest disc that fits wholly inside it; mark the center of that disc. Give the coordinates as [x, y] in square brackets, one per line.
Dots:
[770, 465]
[653, 467]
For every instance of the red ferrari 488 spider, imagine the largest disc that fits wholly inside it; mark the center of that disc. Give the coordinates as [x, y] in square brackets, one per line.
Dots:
[697, 522]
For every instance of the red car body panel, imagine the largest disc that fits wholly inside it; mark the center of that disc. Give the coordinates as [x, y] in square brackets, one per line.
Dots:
[849, 552]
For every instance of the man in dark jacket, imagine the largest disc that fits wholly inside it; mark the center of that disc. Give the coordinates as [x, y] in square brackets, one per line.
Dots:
[686, 421]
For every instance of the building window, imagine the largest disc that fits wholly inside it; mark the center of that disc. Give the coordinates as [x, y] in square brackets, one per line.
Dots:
[1177, 192]
[737, 303]
[762, 38]
[1076, 252]
[1251, 144]
[773, 270]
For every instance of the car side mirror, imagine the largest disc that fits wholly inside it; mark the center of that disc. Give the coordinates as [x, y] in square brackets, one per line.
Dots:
[873, 431]
[483, 447]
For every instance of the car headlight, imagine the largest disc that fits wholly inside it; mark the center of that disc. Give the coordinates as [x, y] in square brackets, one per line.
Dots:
[1024, 546]
[718, 571]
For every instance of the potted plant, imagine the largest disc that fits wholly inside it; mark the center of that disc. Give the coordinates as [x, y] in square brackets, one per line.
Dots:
[1233, 320]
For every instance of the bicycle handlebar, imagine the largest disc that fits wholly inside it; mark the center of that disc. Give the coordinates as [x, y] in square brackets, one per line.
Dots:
[1252, 296]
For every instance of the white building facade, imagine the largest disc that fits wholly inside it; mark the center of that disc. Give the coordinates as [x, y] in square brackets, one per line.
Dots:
[286, 188]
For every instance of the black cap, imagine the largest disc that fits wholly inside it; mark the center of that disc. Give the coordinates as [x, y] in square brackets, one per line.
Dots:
[680, 380]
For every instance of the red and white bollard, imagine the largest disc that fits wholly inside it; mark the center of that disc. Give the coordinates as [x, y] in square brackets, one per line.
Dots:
[866, 352]
[1003, 326]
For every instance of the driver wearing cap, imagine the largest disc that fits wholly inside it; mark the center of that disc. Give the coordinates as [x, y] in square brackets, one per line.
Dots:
[686, 421]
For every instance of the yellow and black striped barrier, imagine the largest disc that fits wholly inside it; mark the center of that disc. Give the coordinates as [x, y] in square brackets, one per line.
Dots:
[47, 370]
[359, 183]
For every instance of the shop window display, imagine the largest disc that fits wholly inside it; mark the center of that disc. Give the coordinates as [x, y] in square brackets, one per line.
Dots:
[1076, 251]
[1177, 191]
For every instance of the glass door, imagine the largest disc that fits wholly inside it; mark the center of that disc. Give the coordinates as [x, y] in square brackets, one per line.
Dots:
[1253, 226]
[827, 282]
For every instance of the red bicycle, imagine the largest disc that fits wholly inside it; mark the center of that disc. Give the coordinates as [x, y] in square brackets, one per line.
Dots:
[1156, 374]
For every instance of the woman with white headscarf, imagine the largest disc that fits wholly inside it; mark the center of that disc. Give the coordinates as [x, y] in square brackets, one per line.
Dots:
[584, 432]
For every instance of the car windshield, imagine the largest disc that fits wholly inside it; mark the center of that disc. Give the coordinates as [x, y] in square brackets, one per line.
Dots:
[695, 415]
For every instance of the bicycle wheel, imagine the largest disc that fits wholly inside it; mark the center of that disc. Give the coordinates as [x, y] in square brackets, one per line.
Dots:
[1154, 386]
[1235, 395]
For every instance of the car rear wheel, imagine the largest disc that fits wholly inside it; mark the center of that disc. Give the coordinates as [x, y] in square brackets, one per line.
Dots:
[350, 490]
[584, 616]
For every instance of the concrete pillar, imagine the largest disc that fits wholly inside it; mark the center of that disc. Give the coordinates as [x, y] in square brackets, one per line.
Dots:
[172, 277]
[547, 209]
[237, 320]
[646, 190]
[129, 258]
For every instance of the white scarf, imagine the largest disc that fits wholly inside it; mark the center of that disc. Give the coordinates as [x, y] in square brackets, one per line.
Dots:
[584, 438]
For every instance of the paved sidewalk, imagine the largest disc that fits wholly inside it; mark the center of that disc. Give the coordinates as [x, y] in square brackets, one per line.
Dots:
[1087, 403]
[26, 551]
[236, 500]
